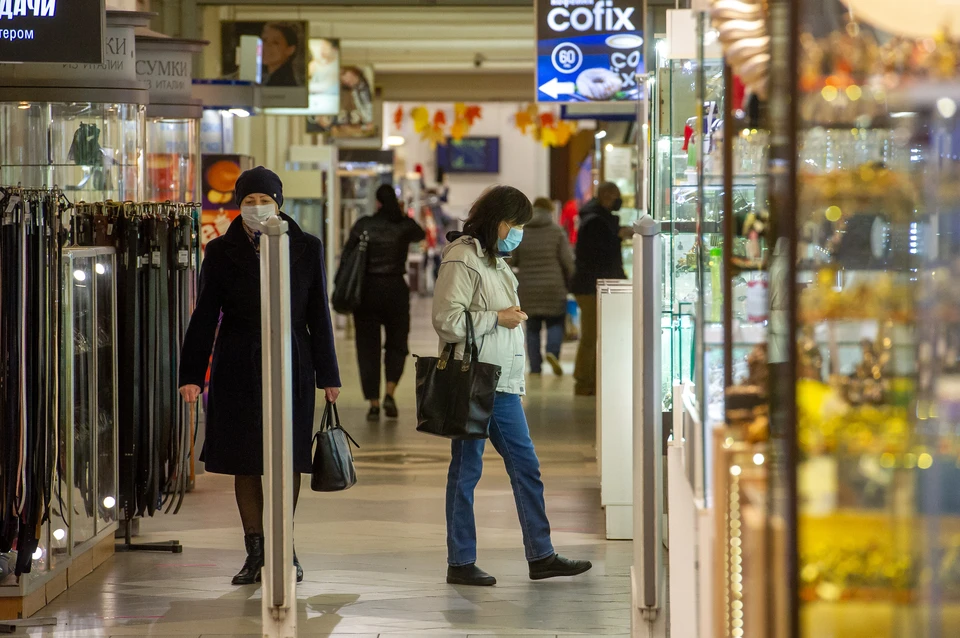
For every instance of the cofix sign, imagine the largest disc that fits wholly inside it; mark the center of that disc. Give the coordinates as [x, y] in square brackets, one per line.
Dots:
[68, 31]
[589, 50]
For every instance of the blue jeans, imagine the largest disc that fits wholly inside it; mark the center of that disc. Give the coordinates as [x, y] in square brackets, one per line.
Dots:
[556, 329]
[511, 438]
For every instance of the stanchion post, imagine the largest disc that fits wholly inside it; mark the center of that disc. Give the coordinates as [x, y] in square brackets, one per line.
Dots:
[648, 495]
[278, 576]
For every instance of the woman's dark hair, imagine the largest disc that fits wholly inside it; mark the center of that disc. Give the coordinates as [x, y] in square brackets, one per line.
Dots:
[389, 206]
[289, 32]
[498, 204]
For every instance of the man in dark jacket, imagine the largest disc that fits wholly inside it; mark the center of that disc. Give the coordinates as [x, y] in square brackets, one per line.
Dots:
[599, 256]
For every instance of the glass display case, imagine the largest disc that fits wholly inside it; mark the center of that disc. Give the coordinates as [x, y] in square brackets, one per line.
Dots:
[172, 162]
[83, 507]
[89, 314]
[684, 102]
[91, 151]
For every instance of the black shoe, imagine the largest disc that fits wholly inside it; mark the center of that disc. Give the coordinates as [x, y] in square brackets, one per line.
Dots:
[390, 407]
[557, 565]
[373, 415]
[296, 563]
[250, 573]
[469, 575]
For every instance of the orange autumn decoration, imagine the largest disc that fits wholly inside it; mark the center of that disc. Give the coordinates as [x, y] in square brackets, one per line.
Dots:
[544, 127]
[437, 127]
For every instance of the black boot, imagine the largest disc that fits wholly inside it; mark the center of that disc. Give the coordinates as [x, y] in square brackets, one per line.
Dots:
[373, 415]
[250, 573]
[296, 563]
[390, 407]
[469, 575]
[557, 565]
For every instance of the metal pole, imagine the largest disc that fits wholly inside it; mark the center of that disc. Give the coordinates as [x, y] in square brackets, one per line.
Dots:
[279, 577]
[648, 497]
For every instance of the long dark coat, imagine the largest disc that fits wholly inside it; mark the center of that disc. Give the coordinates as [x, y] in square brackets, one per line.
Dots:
[230, 284]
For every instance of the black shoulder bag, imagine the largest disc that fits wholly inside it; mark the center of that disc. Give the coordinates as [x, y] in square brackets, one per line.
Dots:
[455, 397]
[333, 469]
[348, 284]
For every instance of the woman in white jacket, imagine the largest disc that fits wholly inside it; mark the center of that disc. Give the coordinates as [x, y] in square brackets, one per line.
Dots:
[474, 278]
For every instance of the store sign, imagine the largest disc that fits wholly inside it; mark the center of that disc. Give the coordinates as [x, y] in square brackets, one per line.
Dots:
[119, 61]
[589, 50]
[168, 74]
[52, 31]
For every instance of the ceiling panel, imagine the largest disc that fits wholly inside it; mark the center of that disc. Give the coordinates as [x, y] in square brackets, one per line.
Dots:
[407, 39]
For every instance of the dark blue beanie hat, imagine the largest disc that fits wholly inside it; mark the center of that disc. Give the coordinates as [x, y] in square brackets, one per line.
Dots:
[259, 180]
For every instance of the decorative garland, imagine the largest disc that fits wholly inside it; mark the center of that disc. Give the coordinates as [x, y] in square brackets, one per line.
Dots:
[434, 128]
[543, 126]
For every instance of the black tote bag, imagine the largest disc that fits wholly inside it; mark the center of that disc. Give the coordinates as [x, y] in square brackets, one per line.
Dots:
[348, 284]
[455, 397]
[333, 469]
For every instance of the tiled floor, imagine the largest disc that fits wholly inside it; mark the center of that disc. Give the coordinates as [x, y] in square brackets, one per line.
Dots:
[375, 556]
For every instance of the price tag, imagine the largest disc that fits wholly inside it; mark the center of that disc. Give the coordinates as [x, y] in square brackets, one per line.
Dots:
[183, 258]
[110, 228]
[11, 204]
[156, 258]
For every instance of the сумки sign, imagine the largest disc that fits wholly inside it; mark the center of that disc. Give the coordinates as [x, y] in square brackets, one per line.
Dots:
[589, 50]
[68, 31]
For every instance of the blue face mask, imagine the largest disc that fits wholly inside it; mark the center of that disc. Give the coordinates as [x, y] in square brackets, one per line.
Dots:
[514, 237]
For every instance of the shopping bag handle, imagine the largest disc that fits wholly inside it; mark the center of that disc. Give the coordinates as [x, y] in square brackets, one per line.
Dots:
[331, 421]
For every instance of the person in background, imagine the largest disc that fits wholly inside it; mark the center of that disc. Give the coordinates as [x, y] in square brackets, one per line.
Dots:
[569, 218]
[599, 256]
[386, 299]
[441, 223]
[544, 267]
[230, 286]
[281, 42]
[475, 279]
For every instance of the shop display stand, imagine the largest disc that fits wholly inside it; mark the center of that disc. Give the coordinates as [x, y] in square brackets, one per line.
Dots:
[173, 547]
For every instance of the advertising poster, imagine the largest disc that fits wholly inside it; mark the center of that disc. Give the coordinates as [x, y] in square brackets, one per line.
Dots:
[219, 173]
[284, 50]
[323, 80]
[355, 117]
[589, 50]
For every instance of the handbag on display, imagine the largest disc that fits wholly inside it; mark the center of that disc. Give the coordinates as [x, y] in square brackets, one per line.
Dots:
[348, 283]
[455, 397]
[333, 469]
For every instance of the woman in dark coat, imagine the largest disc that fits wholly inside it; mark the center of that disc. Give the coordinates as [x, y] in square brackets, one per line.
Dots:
[230, 296]
[386, 299]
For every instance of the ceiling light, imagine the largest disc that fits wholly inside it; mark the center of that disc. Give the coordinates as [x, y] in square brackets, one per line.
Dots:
[600, 135]
[395, 140]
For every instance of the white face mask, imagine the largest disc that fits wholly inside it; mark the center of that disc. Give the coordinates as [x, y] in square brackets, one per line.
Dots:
[255, 215]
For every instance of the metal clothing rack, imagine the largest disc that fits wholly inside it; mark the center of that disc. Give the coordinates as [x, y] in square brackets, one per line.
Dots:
[30, 259]
[158, 253]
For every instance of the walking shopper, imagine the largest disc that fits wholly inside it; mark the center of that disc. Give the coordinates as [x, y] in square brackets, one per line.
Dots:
[544, 266]
[386, 299]
[230, 286]
[474, 278]
[599, 256]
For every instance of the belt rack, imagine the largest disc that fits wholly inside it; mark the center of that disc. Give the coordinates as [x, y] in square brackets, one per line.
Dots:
[30, 269]
[157, 256]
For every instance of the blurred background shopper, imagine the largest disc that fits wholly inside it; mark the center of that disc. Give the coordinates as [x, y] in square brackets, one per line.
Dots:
[599, 256]
[385, 305]
[474, 278]
[230, 284]
[544, 266]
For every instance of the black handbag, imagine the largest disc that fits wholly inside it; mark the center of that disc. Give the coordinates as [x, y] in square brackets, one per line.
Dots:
[348, 283]
[455, 397]
[333, 469]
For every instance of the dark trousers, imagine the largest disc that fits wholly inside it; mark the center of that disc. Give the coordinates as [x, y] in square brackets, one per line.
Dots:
[556, 327]
[386, 305]
[585, 373]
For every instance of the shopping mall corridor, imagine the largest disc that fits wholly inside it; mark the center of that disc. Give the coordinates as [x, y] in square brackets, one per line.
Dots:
[374, 556]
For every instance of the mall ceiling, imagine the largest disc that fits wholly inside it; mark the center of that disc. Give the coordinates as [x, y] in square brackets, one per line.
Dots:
[407, 39]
